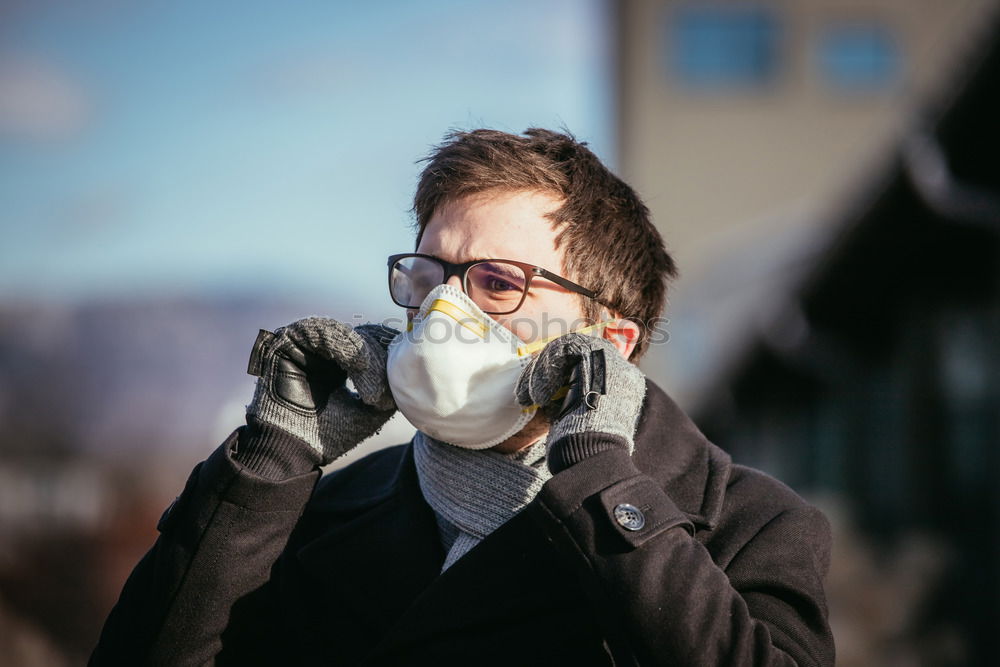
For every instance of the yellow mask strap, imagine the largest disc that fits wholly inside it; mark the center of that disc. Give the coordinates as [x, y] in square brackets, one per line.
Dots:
[476, 326]
[457, 313]
[562, 391]
[532, 348]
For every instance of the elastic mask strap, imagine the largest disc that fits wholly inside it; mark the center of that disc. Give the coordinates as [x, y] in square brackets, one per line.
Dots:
[468, 320]
[532, 348]
[457, 313]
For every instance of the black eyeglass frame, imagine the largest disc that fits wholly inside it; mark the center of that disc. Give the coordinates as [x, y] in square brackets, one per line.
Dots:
[462, 271]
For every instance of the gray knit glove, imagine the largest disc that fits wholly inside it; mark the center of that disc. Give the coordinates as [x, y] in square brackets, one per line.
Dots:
[601, 406]
[302, 369]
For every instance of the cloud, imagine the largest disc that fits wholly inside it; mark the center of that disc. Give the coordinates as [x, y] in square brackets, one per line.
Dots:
[39, 101]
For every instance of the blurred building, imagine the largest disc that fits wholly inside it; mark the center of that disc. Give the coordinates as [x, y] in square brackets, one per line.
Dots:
[745, 124]
[827, 174]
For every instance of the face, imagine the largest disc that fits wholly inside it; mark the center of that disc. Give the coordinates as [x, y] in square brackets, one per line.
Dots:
[509, 226]
[513, 226]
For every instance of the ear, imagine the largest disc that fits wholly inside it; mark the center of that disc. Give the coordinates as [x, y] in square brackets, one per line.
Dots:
[624, 334]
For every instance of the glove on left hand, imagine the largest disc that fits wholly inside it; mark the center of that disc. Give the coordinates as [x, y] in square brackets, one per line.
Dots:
[605, 395]
[302, 369]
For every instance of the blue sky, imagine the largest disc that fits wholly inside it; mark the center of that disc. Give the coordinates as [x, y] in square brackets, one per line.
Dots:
[192, 147]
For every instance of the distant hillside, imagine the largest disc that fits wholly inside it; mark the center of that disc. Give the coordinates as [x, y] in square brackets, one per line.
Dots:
[104, 378]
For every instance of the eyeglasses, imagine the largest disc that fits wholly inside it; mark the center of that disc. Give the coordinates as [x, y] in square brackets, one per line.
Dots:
[497, 286]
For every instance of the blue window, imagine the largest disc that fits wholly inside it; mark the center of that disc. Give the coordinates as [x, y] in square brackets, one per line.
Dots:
[720, 47]
[859, 56]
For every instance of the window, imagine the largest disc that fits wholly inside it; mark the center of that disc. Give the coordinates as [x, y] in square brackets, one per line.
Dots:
[723, 47]
[858, 57]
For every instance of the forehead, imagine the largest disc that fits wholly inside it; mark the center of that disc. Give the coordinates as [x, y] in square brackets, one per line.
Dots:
[503, 225]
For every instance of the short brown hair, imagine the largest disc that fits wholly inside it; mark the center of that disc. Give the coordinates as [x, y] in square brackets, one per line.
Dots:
[612, 246]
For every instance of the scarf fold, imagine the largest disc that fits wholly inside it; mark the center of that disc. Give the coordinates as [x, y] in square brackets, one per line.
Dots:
[474, 492]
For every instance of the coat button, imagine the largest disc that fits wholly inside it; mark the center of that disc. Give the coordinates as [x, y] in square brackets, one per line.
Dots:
[629, 517]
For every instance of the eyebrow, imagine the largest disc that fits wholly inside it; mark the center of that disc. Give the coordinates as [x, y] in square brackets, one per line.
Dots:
[495, 258]
[472, 259]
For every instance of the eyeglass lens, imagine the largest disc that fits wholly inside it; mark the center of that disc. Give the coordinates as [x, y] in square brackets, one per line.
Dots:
[496, 287]
[412, 278]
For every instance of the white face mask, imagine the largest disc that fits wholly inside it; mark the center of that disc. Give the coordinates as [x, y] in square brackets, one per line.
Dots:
[453, 372]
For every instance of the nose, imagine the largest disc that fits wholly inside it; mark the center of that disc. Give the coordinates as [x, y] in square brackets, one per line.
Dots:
[455, 282]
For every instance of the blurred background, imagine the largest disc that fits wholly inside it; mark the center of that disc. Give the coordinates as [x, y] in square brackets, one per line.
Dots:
[176, 175]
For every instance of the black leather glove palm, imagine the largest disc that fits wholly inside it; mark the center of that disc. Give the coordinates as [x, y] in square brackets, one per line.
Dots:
[302, 370]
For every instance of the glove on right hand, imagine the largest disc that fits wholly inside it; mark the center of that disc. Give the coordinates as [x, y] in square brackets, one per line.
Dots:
[302, 369]
[604, 398]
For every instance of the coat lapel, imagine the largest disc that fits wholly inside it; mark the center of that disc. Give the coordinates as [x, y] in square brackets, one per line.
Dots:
[512, 584]
[510, 580]
[380, 555]
[384, 566]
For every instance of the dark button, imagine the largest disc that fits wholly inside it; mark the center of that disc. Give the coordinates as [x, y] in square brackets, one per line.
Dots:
[629, 517]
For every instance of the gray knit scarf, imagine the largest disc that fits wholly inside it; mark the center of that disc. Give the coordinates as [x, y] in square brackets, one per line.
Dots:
[474, 492]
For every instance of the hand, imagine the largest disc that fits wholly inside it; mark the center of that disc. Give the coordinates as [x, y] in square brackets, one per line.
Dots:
[302, 369]
[602, 404]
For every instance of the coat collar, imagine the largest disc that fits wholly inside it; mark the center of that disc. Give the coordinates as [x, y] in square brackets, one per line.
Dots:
[383, 566]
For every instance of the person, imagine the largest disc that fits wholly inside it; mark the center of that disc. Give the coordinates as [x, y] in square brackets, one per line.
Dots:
[554, 507]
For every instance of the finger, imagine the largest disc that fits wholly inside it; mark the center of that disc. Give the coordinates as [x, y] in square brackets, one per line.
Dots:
[347, 410]
[522, 392]
[377, 333]
[551, 370]
[371, 383]
[329, 339]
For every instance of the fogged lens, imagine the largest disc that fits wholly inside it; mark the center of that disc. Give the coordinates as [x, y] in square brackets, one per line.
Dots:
[412, 278]
[496, 287]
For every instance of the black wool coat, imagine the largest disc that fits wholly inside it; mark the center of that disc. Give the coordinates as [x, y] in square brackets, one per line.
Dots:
[727, 570]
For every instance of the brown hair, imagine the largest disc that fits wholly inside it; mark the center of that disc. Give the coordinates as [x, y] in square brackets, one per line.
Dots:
[611, 246]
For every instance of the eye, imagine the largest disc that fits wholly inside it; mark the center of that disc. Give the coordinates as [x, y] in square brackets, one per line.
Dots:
[498, 284]
[496, 278]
